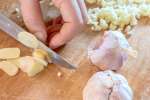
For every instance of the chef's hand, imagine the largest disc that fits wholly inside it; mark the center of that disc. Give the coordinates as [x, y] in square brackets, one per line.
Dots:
[74, 15]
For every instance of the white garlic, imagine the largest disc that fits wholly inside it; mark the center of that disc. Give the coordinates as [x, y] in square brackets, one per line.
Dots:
[107, 85]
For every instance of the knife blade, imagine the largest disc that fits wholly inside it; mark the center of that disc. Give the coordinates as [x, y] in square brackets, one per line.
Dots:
[13, 30]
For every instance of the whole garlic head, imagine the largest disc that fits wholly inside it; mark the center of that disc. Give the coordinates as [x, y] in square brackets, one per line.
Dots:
[109, 53]
[107, 85]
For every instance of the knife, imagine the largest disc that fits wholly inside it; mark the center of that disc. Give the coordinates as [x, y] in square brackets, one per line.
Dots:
[13, 30]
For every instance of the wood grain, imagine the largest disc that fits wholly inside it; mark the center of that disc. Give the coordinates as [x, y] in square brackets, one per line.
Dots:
[48, 86]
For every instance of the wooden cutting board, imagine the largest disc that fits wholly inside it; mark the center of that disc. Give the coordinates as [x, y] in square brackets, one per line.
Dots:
[48, 86]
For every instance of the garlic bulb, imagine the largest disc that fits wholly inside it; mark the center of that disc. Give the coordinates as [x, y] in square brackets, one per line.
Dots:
[107, 85]
[111, 52]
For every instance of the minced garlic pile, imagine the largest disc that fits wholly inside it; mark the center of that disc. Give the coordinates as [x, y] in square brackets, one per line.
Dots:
[117, 14]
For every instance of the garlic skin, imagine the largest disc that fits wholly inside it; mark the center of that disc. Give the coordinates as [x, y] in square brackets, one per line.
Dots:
[111, 51]
[107, 85]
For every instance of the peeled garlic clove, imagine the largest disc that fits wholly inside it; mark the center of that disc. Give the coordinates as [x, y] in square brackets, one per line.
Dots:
[9, 68]
[30, 65]
[42, 54]
[42, 61]
[39, 53]
[14, 61]
[28, 39]
[9, 53]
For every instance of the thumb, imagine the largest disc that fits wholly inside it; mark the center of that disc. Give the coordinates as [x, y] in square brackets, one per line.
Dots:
[41, 36]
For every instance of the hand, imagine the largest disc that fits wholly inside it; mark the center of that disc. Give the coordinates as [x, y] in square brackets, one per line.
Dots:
[74, 15]
[53, 27]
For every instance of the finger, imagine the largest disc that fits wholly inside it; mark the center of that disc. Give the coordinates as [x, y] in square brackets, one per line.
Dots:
[57, 3]
[83, 9]
[41, 36]
[73, 23]
[52, 30]
[66, 34]
[70, 10]
[33, 17]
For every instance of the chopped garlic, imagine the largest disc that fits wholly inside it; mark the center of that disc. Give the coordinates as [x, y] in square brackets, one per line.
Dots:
[118, 14]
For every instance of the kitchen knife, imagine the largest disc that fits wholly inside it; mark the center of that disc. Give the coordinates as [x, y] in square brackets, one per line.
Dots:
[13, 30]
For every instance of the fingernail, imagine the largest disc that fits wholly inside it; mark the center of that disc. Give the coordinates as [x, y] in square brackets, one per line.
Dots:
[41, 36]
[55, 45]
[52, 44]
